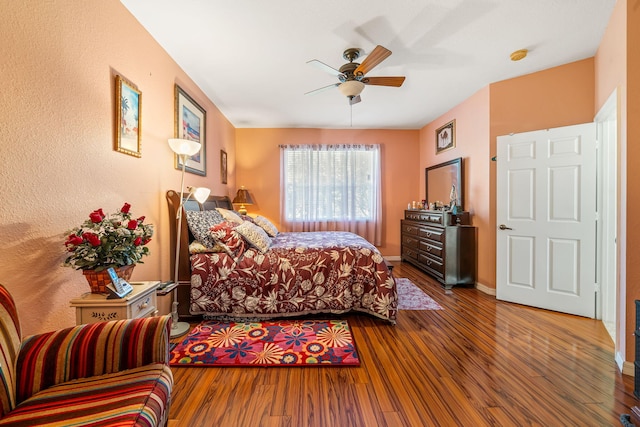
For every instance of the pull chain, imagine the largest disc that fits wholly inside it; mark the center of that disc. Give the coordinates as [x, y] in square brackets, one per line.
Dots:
[351, 114]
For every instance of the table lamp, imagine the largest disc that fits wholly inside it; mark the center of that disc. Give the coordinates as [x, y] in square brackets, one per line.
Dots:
[243, 198]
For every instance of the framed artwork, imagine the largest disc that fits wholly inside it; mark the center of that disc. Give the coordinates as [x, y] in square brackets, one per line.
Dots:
[223, 166]
[190, 123]
[446, 137]
[128, 108]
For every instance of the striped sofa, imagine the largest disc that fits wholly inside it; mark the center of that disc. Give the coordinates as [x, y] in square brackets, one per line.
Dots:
[103, 374]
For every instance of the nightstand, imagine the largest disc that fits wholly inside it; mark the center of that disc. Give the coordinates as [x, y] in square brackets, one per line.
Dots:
[141, 302]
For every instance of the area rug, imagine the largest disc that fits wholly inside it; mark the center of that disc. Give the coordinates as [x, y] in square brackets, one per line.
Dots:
[267, 343]
[411, 297]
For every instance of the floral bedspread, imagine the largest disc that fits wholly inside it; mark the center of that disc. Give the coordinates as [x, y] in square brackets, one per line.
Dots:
[301, 273]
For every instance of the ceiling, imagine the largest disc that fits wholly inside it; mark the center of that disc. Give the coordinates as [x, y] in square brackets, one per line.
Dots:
[250, 56]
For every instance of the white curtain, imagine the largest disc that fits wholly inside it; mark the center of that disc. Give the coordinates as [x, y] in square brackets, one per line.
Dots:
[331, 188]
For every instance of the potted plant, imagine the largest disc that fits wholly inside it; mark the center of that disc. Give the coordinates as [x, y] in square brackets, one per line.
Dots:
[102, 241]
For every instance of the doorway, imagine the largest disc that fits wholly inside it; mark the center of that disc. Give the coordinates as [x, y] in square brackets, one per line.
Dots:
[607, 262]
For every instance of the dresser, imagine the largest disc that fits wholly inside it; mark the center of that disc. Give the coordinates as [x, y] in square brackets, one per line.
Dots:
[141, 302]
[441, 244]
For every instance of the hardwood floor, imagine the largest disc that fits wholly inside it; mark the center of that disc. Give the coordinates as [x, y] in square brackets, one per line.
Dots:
[478, 362]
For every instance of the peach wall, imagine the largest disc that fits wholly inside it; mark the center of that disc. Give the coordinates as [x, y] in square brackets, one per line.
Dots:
[555, 97]
[258, 169]
[57, 106]
[472, 143]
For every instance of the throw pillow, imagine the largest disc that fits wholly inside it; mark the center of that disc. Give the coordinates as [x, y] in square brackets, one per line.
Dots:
[230, 215]
[266, 225]
[246, 218]
[226, 236]
[200, 222]
[255, 235]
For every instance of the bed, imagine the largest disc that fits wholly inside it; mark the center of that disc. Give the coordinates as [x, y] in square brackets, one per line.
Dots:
[289, 274]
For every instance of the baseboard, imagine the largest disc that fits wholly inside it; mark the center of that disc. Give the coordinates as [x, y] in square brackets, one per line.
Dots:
[393, 258]
[485, 289]
[627, 367]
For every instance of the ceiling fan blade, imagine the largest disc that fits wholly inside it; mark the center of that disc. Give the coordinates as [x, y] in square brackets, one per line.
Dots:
[324, 67]
[384, 81]
[378, 55]
[322, 89]
[355, 100]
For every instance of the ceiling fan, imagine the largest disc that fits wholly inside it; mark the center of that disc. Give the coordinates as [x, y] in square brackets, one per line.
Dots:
[352, 75]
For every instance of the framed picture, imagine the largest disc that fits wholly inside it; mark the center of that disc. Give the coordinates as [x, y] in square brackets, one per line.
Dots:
[446, 137]
[223, 166]
[128, 108]
[190, 123]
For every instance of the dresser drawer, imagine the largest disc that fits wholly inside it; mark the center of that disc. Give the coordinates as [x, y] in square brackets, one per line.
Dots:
[412, 242]
[409, 228]
[413, 215]
[434, 217]
[433, 249]
[144, 307]
[408, 253]
[432, 233]
[432, 264]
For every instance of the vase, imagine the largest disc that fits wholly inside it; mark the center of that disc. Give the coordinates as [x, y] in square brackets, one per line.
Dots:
[98, 280]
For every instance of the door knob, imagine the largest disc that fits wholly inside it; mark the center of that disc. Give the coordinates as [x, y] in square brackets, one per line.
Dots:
[504, 227]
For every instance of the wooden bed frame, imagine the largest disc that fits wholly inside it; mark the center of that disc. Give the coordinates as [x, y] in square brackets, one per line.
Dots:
[184, 266]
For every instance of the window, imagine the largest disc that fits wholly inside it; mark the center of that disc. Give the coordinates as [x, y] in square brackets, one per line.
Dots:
[337, 184]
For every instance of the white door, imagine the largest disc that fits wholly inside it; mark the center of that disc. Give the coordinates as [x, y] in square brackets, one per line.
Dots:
[546, 207]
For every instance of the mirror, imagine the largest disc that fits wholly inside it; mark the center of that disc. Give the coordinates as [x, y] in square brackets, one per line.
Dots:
[440, 178]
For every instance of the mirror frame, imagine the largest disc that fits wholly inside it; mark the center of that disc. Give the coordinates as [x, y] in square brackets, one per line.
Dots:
[459, 178]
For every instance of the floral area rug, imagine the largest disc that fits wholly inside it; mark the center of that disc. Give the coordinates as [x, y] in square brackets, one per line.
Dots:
[411, 297]
[267, 343]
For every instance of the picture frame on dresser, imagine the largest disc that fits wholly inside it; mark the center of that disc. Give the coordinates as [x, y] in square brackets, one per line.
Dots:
[128, 129]
[190, 123]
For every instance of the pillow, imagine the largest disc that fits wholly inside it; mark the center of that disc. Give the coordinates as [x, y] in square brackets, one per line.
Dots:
[196, 247]
[232, 242]
[246, 218]
[266, 225]
[255, 235]
[200, 222]
[230, 215]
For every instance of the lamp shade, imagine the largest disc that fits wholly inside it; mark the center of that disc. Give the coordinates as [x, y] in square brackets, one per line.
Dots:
[243, 197]
[351, 88]
[201, 194]
[184, 147]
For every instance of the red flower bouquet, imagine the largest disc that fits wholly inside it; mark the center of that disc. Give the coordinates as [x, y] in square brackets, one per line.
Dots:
[102, 242]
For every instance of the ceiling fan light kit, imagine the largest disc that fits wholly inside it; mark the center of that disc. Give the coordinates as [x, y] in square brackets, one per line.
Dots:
[351, 88]
[352, 74]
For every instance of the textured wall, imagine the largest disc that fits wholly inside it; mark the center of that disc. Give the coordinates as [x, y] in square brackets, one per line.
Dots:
[57, 106]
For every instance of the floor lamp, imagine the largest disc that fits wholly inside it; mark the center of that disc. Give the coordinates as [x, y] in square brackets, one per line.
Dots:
[184, 148]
